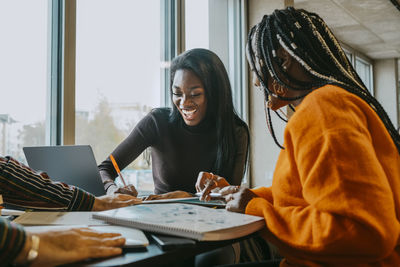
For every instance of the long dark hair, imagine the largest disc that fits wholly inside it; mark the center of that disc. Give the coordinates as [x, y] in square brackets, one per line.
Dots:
[211, 71]
[306, 37]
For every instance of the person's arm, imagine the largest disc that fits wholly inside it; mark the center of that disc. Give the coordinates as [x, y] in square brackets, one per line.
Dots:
[344, 202]
[242, 143]
[207, 181]
[24, 187]
[51, 248]
[141, 137]
[264, 192]
[12, 238]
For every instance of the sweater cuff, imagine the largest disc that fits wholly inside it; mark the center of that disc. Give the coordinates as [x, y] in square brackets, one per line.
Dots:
[263, 192]
[13, 240]
[257, 206]
[81, 201]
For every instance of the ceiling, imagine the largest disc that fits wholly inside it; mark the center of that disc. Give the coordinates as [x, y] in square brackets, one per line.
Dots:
[372, 27]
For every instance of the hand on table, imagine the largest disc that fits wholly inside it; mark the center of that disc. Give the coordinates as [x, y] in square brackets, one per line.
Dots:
[67, 246]
[114, 201]
[237, 198]
[127, 190]
[169, 195]
[208, 182]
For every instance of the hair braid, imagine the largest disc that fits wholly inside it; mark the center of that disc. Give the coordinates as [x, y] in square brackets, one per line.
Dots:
[307, 38]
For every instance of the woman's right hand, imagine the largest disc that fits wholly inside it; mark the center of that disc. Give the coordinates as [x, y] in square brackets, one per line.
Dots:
[67, 246]
[127, 190]
[208, 182]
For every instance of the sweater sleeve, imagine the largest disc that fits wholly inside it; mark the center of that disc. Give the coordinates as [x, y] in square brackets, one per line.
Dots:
[12, 240]
[263, 192]
[22, 186]
[142, 136]
[341, 206]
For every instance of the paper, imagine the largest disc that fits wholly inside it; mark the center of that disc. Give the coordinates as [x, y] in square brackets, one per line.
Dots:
[10, 212]
[134, 237]
[58, 218]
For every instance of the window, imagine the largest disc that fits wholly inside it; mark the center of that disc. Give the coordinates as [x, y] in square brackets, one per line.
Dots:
[121, 51]
[362, 66]
[196, 24]
[349, 55]
[23, 75]
[118, 76]
[364, 70]
[220, 26]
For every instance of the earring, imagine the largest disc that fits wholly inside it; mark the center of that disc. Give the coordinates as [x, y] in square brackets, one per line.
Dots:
[269, 102]
[279, 89]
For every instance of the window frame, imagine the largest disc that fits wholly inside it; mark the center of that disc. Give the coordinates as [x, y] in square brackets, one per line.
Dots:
[61, 107]
[358, 55]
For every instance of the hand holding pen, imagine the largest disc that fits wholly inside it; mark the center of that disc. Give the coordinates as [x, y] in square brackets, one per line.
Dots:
[208, 183]
[128, 189]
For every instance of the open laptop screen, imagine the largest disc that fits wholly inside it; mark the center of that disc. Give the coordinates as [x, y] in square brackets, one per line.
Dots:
[73, 165]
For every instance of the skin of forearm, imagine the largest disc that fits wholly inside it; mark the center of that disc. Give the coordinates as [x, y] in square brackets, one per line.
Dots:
[23, 255]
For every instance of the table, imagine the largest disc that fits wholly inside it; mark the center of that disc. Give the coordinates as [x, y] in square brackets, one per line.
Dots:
[153, 255]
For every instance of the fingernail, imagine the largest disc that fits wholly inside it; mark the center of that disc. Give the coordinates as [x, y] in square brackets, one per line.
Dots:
[117, 250]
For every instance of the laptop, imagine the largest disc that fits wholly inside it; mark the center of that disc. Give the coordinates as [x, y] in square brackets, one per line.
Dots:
[73, 165]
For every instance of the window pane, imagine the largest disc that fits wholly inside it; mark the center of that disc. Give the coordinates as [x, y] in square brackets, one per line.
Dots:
[23, 75]
[196, 24]
[117, 75]
[349, 56]
[364, 71]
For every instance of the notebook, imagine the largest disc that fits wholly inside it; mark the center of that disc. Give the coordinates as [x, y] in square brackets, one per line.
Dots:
[185, 220]
[73, 165]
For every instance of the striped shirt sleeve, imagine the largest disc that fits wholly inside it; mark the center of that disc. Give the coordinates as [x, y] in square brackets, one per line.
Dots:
[22, 186]
[12, 240]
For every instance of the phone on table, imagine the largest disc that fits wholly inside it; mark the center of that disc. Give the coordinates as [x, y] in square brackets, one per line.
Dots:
[167, 242]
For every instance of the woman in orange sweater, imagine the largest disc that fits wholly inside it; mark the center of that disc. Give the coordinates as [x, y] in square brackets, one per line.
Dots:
[335, 196]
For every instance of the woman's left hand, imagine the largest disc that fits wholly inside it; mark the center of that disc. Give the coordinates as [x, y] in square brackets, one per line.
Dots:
[237, 198]
[173, 194]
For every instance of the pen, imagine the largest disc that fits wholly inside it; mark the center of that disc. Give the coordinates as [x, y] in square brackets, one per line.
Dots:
[212, 194]
[117, 169]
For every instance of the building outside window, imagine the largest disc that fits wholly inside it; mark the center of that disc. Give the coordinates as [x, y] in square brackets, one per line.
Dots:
[23, 75]
[118, 76]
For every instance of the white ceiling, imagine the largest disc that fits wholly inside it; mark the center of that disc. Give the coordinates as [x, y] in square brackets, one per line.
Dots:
[369, 26]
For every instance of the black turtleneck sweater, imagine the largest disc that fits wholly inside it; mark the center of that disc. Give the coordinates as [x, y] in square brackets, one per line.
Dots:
[178, 152]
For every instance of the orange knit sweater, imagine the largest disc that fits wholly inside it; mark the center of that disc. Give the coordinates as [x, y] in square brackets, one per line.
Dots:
[335, 196]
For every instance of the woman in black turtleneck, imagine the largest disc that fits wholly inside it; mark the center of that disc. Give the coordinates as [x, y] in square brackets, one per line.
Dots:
[201, 132]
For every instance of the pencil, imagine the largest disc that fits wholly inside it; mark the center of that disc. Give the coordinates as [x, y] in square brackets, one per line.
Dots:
[117, 169]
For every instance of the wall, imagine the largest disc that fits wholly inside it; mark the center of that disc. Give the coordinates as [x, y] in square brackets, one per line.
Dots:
[385, 85]
[264, 152]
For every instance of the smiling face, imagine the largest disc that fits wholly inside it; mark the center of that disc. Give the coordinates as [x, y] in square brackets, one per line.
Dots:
[189, 97]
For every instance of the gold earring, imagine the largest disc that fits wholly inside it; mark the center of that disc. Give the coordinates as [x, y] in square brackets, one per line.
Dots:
[279, 89]
[269, 102]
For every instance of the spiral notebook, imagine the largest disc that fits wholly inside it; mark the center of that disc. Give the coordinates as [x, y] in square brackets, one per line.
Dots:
[190, 221]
